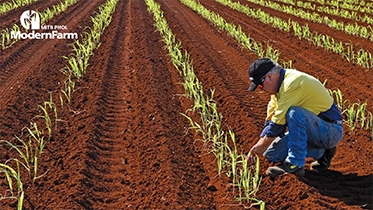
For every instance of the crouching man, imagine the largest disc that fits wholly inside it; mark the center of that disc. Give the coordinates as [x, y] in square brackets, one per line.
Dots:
[302, 119]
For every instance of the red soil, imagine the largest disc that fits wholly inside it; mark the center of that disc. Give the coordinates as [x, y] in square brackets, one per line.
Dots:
[123, 143]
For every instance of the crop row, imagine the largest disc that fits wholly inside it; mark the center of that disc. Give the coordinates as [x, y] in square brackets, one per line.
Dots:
[245, 178]
[6, 34]
[30, 145]
[349, 28]
[357, 115]
[347, 4]
[345, 9]
[14, 4]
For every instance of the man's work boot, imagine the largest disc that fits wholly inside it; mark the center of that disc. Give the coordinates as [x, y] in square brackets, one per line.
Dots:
[285, 167]
[323, 163]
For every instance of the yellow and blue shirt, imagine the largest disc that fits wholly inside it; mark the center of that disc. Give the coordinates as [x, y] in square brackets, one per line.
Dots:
[298, 89]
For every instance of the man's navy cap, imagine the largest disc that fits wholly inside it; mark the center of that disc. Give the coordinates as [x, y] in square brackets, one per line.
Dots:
[258, 70]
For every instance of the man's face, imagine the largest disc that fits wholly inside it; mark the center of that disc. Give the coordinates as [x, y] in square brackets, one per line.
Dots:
[270, 83]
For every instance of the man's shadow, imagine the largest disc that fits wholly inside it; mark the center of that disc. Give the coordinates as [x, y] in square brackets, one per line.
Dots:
[349, 188]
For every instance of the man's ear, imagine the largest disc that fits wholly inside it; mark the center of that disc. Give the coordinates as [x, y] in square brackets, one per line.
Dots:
[272, 77]
[269, 77]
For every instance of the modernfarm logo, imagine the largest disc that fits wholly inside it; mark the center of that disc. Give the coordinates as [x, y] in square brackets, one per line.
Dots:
[30, 20]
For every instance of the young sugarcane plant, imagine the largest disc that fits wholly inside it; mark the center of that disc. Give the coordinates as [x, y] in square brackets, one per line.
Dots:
[10, 174]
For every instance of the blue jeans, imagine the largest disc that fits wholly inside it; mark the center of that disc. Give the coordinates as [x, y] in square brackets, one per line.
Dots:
[307, 136]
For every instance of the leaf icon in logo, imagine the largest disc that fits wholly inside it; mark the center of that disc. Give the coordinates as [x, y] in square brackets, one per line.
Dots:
[30, 20]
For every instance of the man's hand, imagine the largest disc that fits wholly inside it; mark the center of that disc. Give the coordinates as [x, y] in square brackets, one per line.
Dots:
[251, 158]
[255, 151]
[258, 149]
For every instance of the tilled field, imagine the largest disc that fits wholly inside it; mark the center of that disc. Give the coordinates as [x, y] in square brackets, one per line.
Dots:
[122, 142]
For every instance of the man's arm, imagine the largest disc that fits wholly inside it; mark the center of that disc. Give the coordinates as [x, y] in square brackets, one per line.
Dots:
[270, 131]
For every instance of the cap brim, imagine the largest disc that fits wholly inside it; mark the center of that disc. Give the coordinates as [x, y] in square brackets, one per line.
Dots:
[252, 87]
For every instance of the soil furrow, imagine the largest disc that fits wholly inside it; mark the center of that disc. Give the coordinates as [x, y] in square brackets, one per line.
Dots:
[105, 147]
[156, 134]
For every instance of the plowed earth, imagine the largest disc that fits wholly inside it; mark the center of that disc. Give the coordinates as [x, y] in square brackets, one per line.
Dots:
[122, 142]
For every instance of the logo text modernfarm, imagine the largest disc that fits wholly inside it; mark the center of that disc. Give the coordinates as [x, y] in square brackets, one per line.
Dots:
[30, 20]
